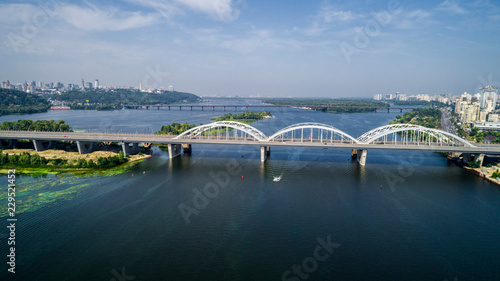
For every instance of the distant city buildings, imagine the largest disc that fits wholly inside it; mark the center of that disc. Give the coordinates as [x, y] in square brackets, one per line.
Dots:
[420, 97]
[477, 108]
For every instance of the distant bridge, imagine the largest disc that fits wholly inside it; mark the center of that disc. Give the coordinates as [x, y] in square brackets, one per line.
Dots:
[263, 106]
[392, 137]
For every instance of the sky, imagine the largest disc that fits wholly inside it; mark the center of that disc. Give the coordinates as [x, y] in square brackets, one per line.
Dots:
[315, 48]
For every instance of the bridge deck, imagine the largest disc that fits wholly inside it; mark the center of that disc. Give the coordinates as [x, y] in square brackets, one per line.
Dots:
[166, 139]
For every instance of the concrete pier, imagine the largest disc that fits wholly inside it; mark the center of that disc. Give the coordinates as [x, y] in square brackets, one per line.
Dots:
[186, 148]
[265, 151]
[39, 146]
[361, 156]
[479, 158]
[174, 150]
[130, 150]
[354, 153]
[86, 147]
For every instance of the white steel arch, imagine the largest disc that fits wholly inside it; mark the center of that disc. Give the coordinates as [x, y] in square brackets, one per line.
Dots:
[197, 131]
[386, 130]
[319, 126]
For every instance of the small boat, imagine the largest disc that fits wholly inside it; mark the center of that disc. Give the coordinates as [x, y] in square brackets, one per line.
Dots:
[277, 179]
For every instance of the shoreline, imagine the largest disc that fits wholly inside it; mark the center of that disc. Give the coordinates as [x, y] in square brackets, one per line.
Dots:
[485, 175]
[482, 172]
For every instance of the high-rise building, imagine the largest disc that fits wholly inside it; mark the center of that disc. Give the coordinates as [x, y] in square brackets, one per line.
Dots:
[171, 88]
[96, 84]
[488, 92]
[89, 85]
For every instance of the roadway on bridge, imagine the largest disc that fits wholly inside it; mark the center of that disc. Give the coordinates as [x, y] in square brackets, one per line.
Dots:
[169, 139]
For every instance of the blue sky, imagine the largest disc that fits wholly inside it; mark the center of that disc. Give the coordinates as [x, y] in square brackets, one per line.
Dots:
[270, 48]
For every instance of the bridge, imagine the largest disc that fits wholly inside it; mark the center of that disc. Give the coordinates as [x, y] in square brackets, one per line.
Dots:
[263, 106]
[406, 137]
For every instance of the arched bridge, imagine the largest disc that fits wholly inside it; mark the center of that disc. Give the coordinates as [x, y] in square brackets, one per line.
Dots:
[396, 136]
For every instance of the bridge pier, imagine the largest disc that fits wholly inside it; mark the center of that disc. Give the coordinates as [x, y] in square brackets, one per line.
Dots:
[186, 148]
[174, 150]
[130, 150]
[84, 149]
[10, 145]
[479, 158]
[354, 153]
[265, 151]
[361, 156]
[400, 110]
[466, 158]
[40, 147]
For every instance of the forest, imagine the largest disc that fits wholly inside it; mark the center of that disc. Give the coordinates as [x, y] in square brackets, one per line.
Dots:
[117, 98]
[39, 125]
[344, 105]
[175, 128]
[19, 102]
[426, 117]
[245, 117]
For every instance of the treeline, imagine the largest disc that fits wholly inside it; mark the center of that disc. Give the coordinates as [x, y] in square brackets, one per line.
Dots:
[344, 105]
[479, 136]
[19, 102]
[419, 103]
[426, 117]
[95, 106]
[249, 116]
[39, 125]
[175, 128]
[34, 160]
[118, 98]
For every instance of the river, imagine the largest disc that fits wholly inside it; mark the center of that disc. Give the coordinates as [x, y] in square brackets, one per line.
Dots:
[404, 216]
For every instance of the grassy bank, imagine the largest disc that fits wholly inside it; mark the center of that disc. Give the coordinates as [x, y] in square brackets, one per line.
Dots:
[71, 158]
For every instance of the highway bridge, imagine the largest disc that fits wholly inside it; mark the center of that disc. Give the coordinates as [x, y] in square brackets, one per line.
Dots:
[390, 137]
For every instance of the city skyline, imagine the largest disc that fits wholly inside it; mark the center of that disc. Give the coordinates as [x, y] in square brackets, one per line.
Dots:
[223, 47]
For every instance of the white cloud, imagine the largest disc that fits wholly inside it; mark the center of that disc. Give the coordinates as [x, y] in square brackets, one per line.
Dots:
[165, 8]
[452, 7]
[94, 18]
[329, 13]
[16, 13]
[418, 14]
[220, 10]
[223, 10]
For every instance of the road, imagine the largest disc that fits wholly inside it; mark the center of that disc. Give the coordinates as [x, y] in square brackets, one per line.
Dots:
[446, 123]
[164, 139]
